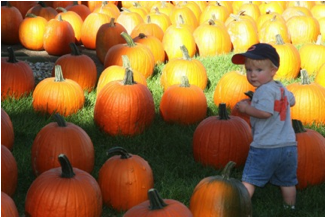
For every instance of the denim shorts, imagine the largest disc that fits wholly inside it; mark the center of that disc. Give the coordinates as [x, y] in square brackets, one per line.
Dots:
[276, 165]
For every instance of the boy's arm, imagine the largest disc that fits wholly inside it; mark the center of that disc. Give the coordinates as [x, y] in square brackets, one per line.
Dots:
[244, 107]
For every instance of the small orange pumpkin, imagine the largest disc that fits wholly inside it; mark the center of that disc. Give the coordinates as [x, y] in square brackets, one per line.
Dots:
[58, 95]
[126, 175]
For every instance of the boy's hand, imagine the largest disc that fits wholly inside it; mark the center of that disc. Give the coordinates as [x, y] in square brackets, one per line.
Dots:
[242, 105]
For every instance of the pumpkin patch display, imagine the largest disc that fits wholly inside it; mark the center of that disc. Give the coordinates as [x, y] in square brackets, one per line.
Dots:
[64, 191]
[62, 137]
[220, 139]
[185, 66]
[128, 107]
[126, 175]
[58, 95]
[183, 104]
[155, 206]
[17, 78]
[7, 130]
[9, 171]
[309, 105]
[311, 156]
[221, 196]
[78, 67]
[8, 206]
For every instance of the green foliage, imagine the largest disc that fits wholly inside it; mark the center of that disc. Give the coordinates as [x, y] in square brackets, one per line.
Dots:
[166, 147]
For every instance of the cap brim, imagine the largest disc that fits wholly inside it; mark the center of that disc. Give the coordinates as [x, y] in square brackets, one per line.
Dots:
[240, 58]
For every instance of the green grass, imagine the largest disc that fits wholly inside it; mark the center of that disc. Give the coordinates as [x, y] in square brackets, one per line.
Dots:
[166, 147]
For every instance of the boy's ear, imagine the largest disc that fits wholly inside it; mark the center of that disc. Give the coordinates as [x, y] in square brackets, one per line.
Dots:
[274, 70]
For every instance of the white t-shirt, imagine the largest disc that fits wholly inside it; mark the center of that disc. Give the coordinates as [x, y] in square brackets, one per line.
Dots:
[275, 131]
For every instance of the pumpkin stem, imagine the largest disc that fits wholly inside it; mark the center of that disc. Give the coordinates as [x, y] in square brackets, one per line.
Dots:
[12, 56]
[74, 50]
[121, 151]
[129, 40]
[58, 76]
[297, 126]
[125, 61]
[129, 77]
[61, 9]
[184, 81]
[318, 42]
[148, 19]
[155, 200]
[222, 112]
[42, 4]
[60, 18]
[112, 24]
[30, 15]
[227, 170]
[185, 53]
[304, 77]
[279, 39]
[60, 120]
[66, 168]
[250, 94]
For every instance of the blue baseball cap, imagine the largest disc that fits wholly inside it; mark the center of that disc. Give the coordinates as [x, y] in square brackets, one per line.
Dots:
[259, 51]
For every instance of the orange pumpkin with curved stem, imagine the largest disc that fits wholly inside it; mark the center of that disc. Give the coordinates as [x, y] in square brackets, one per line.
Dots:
[221, 196]
[187, 14]
[155, 206]
[128, 107]
[17, 78]
[10, 22]
[7, 130]
[58, 95]
[62, 192]
[140, 56]
[126, 175]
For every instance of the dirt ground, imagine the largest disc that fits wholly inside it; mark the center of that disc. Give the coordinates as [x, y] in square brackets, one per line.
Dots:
[42, 56]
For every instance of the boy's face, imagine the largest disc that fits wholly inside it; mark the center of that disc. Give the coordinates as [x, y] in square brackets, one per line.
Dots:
[259, 72]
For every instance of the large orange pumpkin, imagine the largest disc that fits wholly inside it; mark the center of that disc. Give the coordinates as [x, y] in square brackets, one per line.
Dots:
[148, 28]
[183, 104]
[220, 139]
[155, 206]
[129, 19]
[17, 78]
[64, 191]
[126, 175]
[309, 101]
[58, 95]
[271, 28]
[221, 196]
[311, 156]
[62, 137]
[9, 171]
[23, 6]
[8, 206]
[128, 107]
[7, 130]
[10, 22]
[78, 67]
